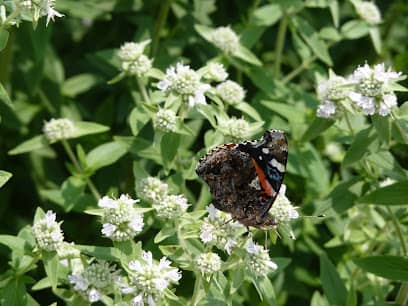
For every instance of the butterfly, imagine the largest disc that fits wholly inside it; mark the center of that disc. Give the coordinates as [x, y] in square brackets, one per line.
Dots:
[245, 178]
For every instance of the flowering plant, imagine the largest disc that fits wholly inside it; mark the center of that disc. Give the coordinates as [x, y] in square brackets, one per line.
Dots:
[107, 108]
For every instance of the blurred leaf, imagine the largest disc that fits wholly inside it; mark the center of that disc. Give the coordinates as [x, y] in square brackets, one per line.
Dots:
[14, 292]
[266, 15]
[395, 194]
[105, 154]
[79, 84]
[331, 282]
[343, 196]
[100, 252]
[4, 177]
[169, 146]
[382, 126]
[32, 144]
[16, 244]
[138, 119]
[248, 110]
[376, 39]
[334, 10]
[165, 233]
[387, 266]
[311, 37]
[4, 35]
[317, 127]
[354, 29]
[359, 147]
[4, 97]
[247, 56]
[265, 290]
[86, 128]
[50, 260]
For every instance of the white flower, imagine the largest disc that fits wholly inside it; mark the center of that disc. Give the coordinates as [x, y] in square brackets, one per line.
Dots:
[218, 229]
[51, 12]
[326, 110]
[257, 260]
[66, 252]
[97, 279]
[225, 39]
[236, 128]
[208, 263]
[152, 189]
[3, 16]
[373, 91]
[120, 220]
[282, 210]
[165, 120]
[58, 129]
[230, 92]
[369, 12]
[185, 82]
[138, 67]
[47, 232]
[387, 182]
[215, 72]
[130, 51]
[148, 280]
[171, 206]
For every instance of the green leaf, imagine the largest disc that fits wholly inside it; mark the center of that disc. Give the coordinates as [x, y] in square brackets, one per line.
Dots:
[290, 112]
[360, 146]
[79, 84]
[4, 177]
[14, 292]
[105, 253]
[265, 290]
[266, 15]
[354, 29]
[165, 233]
[16, 244]
[4, 35]
[4, 97]
[71, 191]
[331, 282]
[376, 39]
[87, 128]
[32, 144]
[138, 119]
[248, 110]
[317, 127]
[395, 194]
[387, 266]
[247, 56]
[382, 126]
[105, 154]
[50, 260]
[334, 10]
[169, 146]
[204, 31]
[311, 37]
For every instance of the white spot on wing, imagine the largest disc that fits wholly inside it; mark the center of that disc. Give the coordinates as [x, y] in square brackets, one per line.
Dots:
[277, 165]
[265, 150]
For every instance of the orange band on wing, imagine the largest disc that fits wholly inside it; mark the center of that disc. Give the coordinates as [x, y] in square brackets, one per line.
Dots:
[263, 181]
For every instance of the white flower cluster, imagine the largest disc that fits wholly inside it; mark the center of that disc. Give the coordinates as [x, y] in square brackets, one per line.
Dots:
[47, 232]
[167, 206]
[257, 260]
[69, 255]
[171, 206]
[23, 8]
[368, 89]
[282, 210]
[148, 280]
[152, 189]
[236, 128]
[96, 280]
[134, 62]
[225, 39]
[208, 263]
[165, 120]
[183, 81]
[58, 129]
[369, 12]
[230, 92]
[217, 229]
[120, 219]
[215, 72]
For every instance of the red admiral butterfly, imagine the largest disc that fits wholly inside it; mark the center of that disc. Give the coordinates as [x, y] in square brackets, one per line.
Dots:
[245, 178]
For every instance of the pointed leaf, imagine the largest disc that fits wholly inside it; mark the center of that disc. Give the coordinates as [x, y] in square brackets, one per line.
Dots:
[395, 194]
[4, 177]
[331, 282]
[387, 266]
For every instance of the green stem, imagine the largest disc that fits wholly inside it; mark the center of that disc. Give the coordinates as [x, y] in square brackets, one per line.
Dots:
[305, 64]
[164, 10]
[74, 160]
[280, 41]
[404, 136]
[402, 296]
[143, 90]
[197, 286]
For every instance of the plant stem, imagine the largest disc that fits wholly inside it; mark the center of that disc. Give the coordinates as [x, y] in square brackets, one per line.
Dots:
[164, 10]
[299, 69]
[74, 160]
[280, 41]
[142, 89]
[402, 295]
[197, 287]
